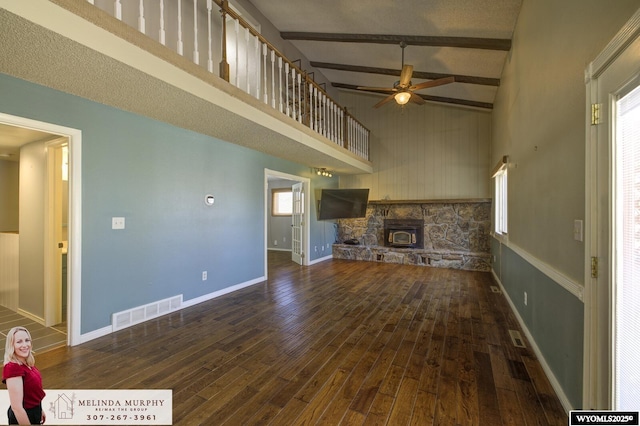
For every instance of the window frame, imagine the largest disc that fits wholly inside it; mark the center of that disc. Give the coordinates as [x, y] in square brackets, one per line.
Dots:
[501, 197]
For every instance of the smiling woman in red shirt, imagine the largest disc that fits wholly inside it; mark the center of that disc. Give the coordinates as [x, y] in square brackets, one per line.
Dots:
[23, 379]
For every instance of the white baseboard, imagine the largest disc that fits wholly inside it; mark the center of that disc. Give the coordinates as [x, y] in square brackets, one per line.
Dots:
[32, 317]
[547, 370]
[322, 259]
[204, 298]
[84, 338]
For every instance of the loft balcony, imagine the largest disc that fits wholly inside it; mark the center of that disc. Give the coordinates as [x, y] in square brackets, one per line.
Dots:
[201, 67]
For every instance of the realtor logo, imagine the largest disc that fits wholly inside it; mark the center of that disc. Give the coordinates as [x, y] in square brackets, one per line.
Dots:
[62, 407]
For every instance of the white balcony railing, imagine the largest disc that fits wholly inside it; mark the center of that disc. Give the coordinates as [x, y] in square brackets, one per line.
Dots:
[209, 32]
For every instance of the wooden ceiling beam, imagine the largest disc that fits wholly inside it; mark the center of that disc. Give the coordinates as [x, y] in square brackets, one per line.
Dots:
[438, 41]
[485, 81]
[440, 99]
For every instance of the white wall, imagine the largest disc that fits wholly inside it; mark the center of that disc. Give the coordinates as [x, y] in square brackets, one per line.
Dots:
[9, 177]
[9, 267]
[32, 218]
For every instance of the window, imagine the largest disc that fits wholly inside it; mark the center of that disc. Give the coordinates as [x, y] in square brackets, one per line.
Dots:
[500, 196]
[627, 261]
[281, 202]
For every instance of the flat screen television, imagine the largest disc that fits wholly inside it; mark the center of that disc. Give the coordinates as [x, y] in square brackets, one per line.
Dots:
[343, 203]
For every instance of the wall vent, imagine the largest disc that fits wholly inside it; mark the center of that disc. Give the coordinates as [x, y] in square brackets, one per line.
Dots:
[495, 289]
[516, 339]
[124, 319]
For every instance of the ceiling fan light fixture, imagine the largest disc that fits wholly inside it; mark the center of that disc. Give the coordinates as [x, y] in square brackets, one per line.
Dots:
[402, 97]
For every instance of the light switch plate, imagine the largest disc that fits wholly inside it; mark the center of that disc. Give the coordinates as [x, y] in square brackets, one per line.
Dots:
[117, 223]
[578, 230]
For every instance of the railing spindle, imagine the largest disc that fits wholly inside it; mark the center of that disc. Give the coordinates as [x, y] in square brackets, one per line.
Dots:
[286, 87]
[300, 99]
[293, 92]
[237, 38]
[247, 34]
[273, 79]
[280, 84]
[209, 37]
[180, 45]
[141, 22]
[196, 52]
[311, 123]
[117, 9]
[162, 33]
[265, 98]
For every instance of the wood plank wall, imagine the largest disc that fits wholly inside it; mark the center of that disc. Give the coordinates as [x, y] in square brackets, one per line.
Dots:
[423, 152]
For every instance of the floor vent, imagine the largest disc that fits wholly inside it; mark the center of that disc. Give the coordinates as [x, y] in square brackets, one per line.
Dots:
[133, 316]
[516, 339]
[495, 289]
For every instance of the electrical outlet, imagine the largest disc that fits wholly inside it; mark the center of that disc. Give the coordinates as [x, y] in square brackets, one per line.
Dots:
[275, 242]
[316, 248]
[525, 298]
[117, 223]
[204, 275]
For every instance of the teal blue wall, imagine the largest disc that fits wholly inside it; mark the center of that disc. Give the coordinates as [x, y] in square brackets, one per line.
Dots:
[553, 316]
[156, 176]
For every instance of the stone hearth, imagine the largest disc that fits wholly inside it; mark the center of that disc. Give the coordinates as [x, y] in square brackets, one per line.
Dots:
[456, 234]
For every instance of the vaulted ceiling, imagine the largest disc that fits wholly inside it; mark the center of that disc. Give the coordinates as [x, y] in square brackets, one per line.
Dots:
[357, 43]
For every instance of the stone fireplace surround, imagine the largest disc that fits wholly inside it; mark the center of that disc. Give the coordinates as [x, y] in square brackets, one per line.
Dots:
[456, 234]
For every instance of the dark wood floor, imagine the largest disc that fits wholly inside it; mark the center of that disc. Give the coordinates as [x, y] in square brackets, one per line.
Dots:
[340, 342]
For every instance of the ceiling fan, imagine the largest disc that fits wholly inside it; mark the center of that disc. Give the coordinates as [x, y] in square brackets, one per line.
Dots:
[403, 90]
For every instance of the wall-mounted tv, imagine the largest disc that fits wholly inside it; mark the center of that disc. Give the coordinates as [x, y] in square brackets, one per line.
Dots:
[343, 203]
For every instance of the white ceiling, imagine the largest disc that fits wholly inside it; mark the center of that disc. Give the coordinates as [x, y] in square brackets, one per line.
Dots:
[440, 22]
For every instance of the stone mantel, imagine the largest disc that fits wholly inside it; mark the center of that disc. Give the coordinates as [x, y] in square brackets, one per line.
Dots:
[456, 233]
[436, 201]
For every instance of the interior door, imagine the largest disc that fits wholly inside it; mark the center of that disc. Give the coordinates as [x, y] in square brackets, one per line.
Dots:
[615, 247]
[297, 218]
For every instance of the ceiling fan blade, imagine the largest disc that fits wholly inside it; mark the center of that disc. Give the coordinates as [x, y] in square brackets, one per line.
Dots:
[405, 76]
[377, 89]
[384, 101]
[416, 99]
[433, 83]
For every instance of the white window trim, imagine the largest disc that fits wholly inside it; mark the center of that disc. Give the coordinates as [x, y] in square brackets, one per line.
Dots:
[501, 197]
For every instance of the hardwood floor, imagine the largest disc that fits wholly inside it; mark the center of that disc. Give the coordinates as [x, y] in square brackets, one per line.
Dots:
[339, 342]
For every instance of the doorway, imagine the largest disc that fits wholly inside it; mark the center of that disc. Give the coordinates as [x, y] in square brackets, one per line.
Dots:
[612, 331]
[296, 226]
[42, 296]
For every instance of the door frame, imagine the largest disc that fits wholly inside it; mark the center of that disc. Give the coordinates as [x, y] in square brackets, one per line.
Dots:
[74, 261]
[305, 217]
[597, 374]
